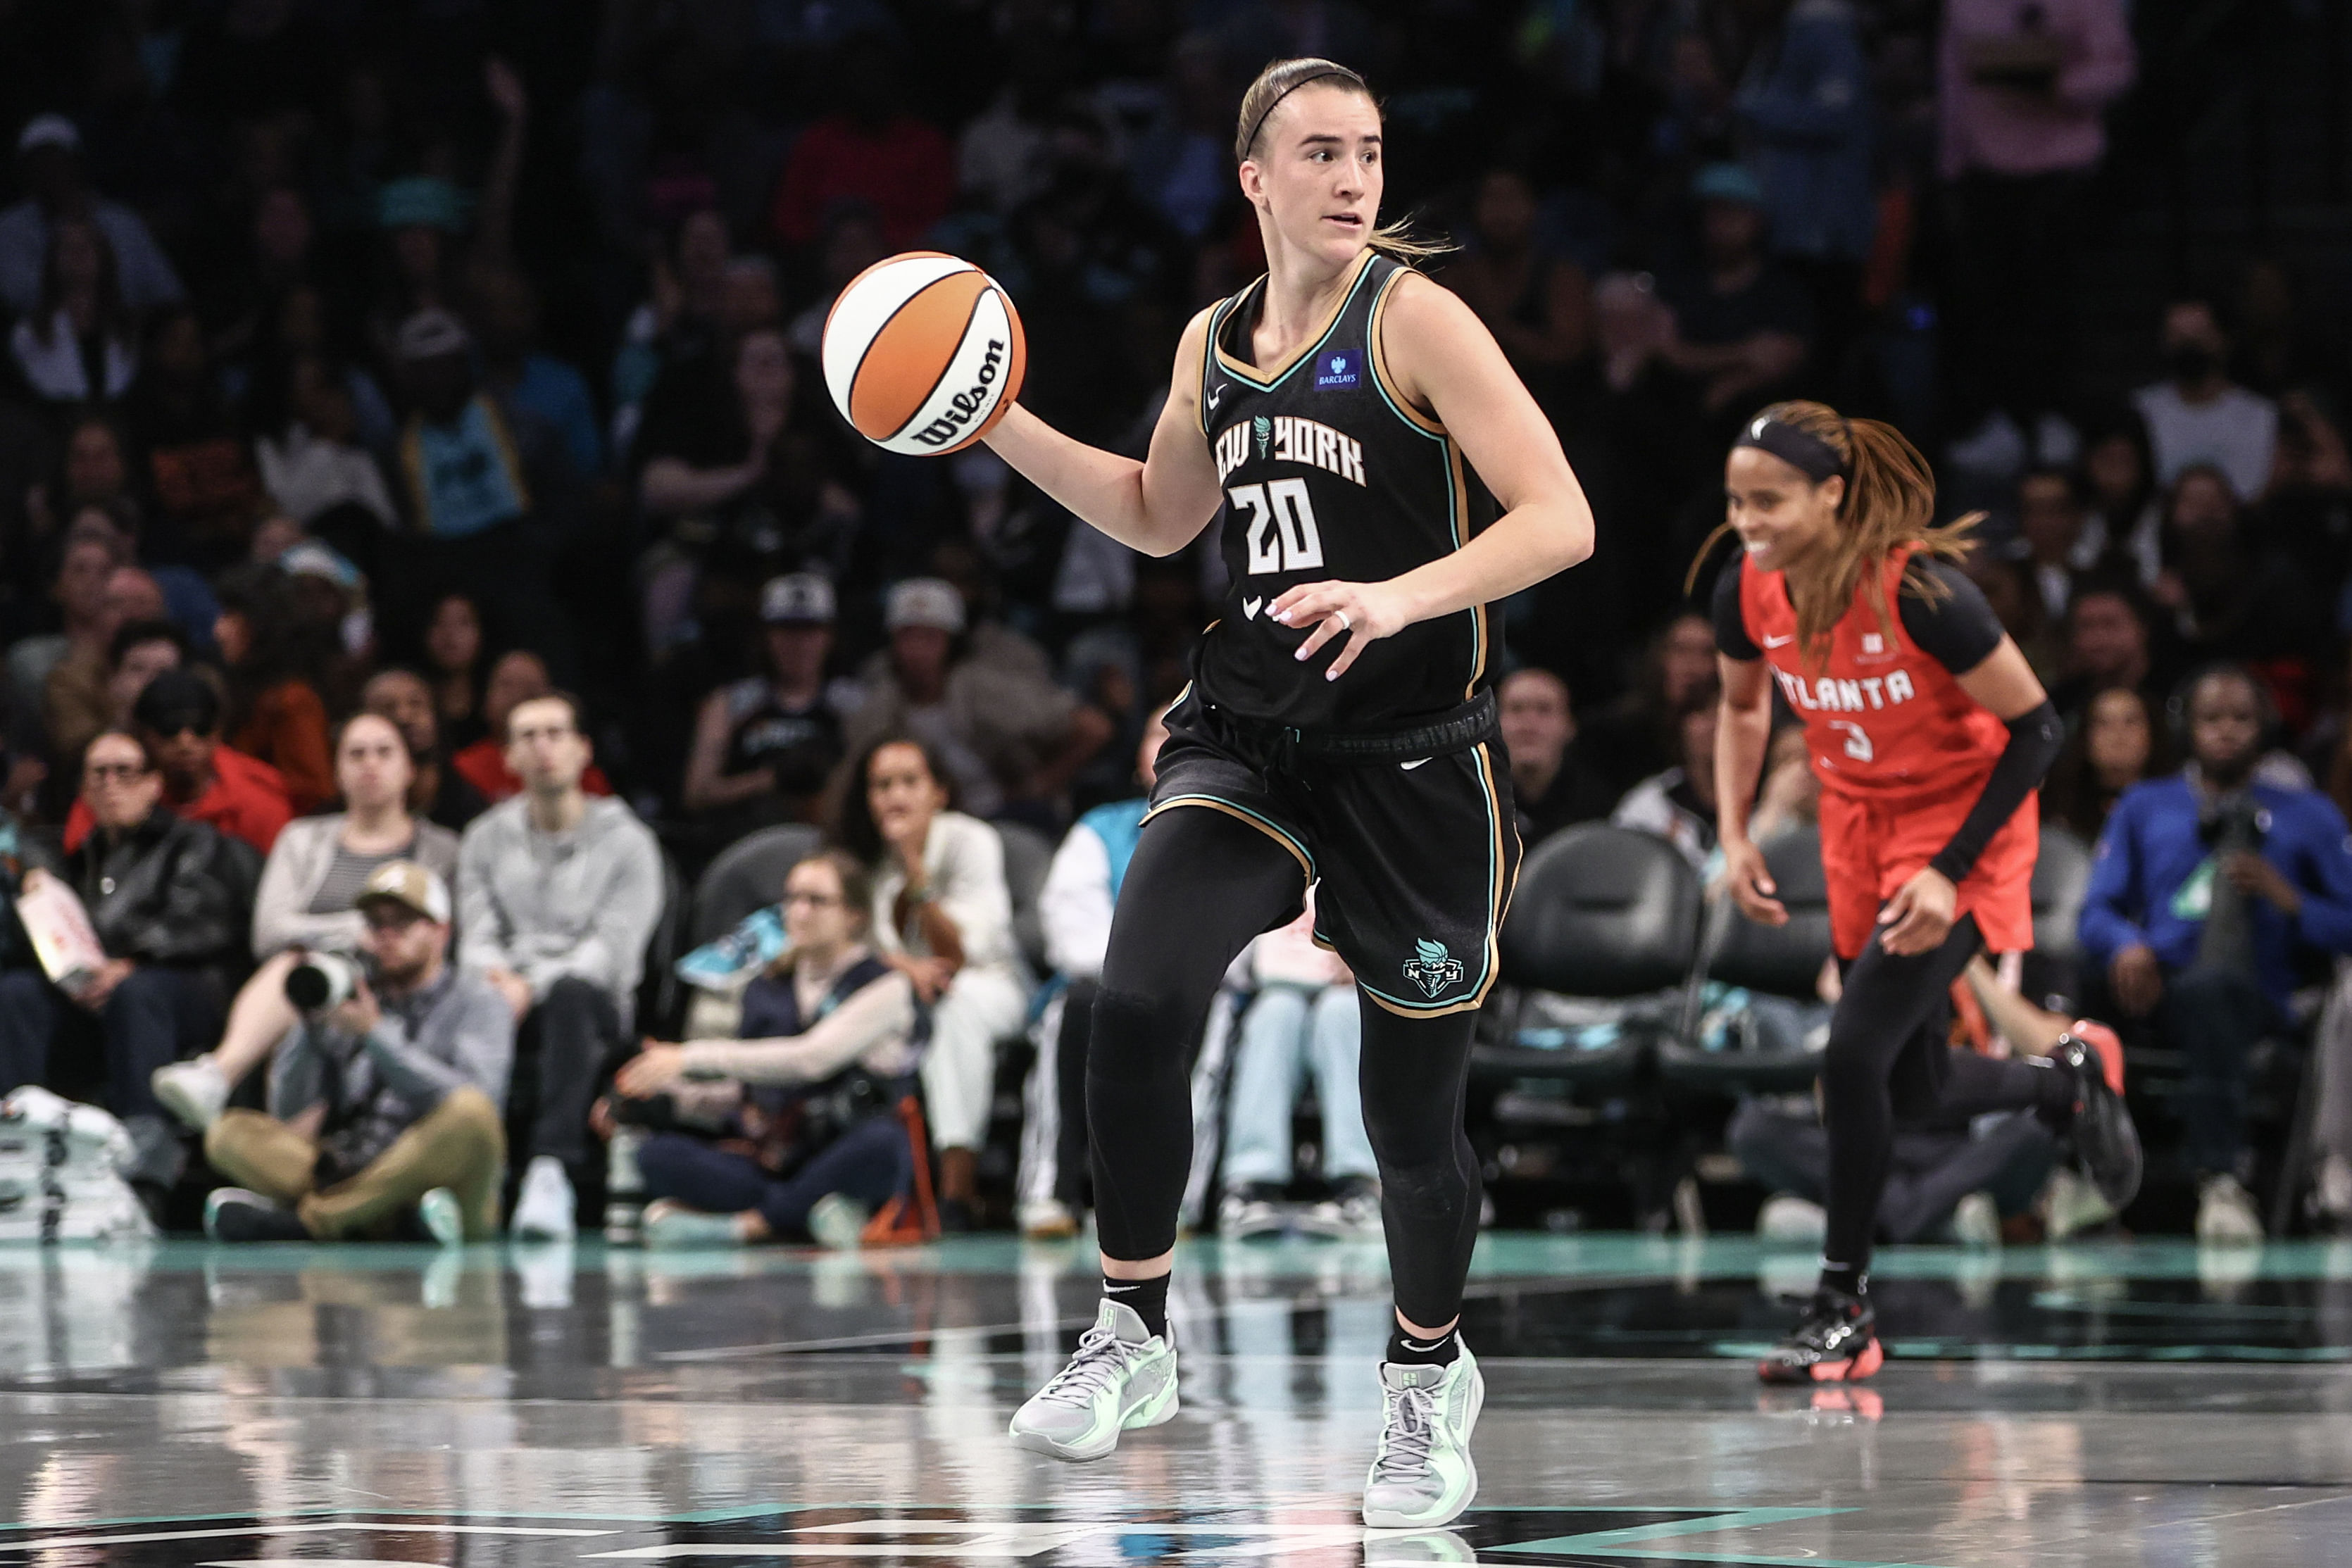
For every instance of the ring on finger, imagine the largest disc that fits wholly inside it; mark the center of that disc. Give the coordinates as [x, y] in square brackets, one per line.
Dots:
[1345, 624]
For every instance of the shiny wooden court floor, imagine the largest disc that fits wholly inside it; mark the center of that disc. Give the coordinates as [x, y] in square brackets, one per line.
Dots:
[180, 1406]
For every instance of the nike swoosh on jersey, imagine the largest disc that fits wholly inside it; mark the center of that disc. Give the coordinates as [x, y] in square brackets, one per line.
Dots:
[1214, 393]
[1250, 608]
[1779, 642]
[1409, 767]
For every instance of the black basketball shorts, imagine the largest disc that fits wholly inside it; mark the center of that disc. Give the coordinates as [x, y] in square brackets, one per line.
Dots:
[1412, 858]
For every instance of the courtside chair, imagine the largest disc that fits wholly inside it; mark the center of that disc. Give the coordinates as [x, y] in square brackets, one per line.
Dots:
[1782, 961]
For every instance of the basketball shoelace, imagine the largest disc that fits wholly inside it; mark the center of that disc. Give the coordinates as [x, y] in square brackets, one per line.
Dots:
[1411, 1429]
[1101, 1359]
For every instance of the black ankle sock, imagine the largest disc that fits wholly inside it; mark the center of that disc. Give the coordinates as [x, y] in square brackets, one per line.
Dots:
[1844, 1279]
[1148, 1297]
[1406, 1351]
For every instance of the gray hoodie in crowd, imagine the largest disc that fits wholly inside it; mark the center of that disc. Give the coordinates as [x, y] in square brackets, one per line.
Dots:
[549, 905]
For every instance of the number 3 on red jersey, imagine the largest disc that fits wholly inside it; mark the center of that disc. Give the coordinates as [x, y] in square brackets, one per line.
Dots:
[1857, 739]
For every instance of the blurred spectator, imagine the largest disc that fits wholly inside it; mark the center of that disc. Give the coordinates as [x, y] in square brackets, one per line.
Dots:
[2118, 744]
[869, 149]
[1182, 161]
[557, 896]
[852, 242]
[384, 1109]
[1552, 784]
[199, 470]
[1790, 796]
[942, 917]
[437, 791]
[2125, 510]
[808, 1093]
[139, 651]
[752, 475]
[2227, 600]
[1743, 326]
[177, 718]
[505, 313]
[1635, 736]
[1002, 735]
[49, 166]
[2008, 588]
[765, 745]
[1535, 301]
[453, 653]
[93, 471]
[2053, 542]
[277, 659]
[488, 765]
[88, 556]
[676, 324]
[309, 902]
[2109, 641]
[170, 899]
[1678, 805]
[1803, 108]
[2020, 97]
[2196, 416]
[308, 445]
[1074, 908]
[2208, 886]
[486, 484]
[1305, 1016]
[79, 344]
[77, 691]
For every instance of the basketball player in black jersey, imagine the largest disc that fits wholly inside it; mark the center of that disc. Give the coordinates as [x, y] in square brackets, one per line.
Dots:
[1379, 477]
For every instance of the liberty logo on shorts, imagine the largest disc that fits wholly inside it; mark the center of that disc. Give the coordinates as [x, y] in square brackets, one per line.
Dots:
[1337, 369]
[1265, 428]
[1431, 967]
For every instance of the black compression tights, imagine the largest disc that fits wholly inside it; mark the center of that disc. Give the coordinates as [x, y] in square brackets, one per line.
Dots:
[1201, 884]
[1887, 1057]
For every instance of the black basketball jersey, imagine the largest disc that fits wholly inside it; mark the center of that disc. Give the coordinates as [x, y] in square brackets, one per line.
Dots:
[1329, 475]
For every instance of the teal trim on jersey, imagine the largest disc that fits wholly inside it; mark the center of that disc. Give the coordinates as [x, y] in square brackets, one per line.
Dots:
[1268, 824]
[1208, 365]
[1494, 906]
[1216, 334]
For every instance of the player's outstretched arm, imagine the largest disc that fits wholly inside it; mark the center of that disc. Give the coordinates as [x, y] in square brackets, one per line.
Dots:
[1158, 506]
[1444, 362]
[1743, 735]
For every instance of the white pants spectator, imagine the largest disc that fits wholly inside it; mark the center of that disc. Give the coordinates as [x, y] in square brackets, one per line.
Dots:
[1285, 1030]
[984, 1005]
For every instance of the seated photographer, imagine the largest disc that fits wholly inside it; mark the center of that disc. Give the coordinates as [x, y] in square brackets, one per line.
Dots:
[801, 1136]
[2208, 886]
[169, 900]
[385, 1102]
[308, 905]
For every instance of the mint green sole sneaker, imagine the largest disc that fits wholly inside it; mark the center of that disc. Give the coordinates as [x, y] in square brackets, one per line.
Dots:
[1120, 1379]
[439, 1212]
[1423, 1477]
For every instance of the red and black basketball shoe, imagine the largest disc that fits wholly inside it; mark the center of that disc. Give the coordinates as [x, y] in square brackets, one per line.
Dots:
[1835, 1342]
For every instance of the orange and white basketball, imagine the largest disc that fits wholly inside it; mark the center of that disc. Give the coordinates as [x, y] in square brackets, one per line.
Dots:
[923, 353]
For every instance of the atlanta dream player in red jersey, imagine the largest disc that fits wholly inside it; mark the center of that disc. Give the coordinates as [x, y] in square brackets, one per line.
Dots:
[1929, 734]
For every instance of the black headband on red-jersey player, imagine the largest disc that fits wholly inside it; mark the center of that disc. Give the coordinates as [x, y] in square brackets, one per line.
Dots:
[1341, 72]
[1801, 449]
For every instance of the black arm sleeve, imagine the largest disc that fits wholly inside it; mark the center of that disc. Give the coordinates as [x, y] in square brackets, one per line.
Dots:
[1731, 638]
[1957, 630]
[2035, 740]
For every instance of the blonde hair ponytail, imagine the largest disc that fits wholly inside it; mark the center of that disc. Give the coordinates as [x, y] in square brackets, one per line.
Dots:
[1279, 80]
[1890, 505]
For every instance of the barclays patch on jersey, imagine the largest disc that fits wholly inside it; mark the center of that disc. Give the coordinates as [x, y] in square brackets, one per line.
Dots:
[1339, 368]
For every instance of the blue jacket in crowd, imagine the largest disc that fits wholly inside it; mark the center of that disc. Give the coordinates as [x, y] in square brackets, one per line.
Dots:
[2152, 847]
[1805, 110]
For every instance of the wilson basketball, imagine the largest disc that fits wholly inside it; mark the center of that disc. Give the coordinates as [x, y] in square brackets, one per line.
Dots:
[923, 353]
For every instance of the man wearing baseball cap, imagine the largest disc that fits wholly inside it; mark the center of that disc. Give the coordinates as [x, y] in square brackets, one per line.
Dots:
[385, 1100]
[764, 746]
[50, 172]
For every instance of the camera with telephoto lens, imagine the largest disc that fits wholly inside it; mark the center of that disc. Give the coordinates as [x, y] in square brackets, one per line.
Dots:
[323, 981]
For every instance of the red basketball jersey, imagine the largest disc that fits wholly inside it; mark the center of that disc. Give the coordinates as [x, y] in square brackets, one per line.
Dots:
[1885, 721]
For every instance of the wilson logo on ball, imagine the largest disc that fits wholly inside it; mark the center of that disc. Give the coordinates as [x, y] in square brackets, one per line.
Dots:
[923, 353]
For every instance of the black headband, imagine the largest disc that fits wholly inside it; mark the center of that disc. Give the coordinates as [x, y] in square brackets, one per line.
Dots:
[1318, 76]
[1800, 449]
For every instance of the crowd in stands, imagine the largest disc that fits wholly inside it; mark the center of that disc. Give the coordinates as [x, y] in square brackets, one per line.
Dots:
[425, 535]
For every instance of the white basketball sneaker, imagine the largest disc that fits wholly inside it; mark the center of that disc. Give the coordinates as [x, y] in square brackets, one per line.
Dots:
[1121, 1378]
[1423, 1477]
